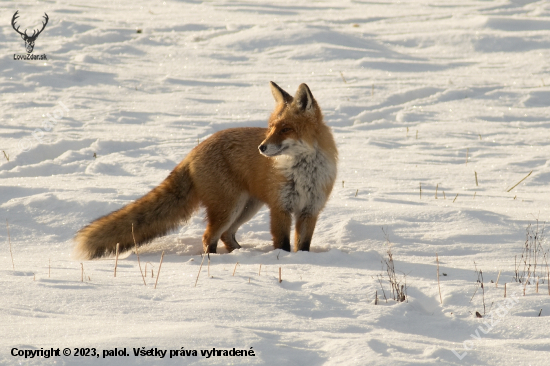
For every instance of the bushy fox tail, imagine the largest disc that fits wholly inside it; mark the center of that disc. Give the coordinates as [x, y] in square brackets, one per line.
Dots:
[153, 215]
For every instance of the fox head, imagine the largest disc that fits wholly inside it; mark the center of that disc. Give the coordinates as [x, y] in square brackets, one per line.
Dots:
[294, 125]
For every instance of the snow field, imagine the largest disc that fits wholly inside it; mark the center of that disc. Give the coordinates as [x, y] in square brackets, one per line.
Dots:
[418, 94]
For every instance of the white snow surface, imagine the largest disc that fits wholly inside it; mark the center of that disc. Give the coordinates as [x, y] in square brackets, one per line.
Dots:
[419, 94]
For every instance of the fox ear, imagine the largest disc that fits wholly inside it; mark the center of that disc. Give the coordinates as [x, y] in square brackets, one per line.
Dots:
[279, 94]
[304, 99]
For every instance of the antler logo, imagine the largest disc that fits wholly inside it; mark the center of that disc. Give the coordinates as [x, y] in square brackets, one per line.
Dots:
[29, 40]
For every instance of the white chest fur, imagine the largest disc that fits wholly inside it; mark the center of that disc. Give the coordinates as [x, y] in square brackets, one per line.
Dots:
[308, 171]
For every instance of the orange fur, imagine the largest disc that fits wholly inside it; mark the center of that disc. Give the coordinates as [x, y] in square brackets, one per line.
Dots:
[232, 179]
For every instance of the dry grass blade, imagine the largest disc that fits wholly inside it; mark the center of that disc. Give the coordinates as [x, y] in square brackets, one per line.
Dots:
[197, 280]
[137, 254]
[438, 285]
[343, 78]
[160, 265]
[9, 240]
[520, 181]
[116, 258]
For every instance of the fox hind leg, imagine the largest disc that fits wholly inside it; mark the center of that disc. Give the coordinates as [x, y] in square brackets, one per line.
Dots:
[220, 218]
[251, 207]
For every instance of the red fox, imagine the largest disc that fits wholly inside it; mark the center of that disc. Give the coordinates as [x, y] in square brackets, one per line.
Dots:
[290, 166]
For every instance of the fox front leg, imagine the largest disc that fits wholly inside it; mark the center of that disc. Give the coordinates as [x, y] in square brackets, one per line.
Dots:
[280, 229]
[305, 224]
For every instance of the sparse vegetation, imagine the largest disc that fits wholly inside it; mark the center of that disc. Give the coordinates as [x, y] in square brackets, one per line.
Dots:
[533, 257]
[398, 285]
[479, 281]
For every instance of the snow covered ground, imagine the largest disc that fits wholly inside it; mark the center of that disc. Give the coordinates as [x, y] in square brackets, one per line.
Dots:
[418, 93]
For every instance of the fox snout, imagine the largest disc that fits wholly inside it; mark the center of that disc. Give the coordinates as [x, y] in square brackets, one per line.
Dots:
[270, 149]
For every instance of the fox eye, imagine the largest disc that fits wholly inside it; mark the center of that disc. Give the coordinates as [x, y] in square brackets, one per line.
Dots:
[285, 130]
